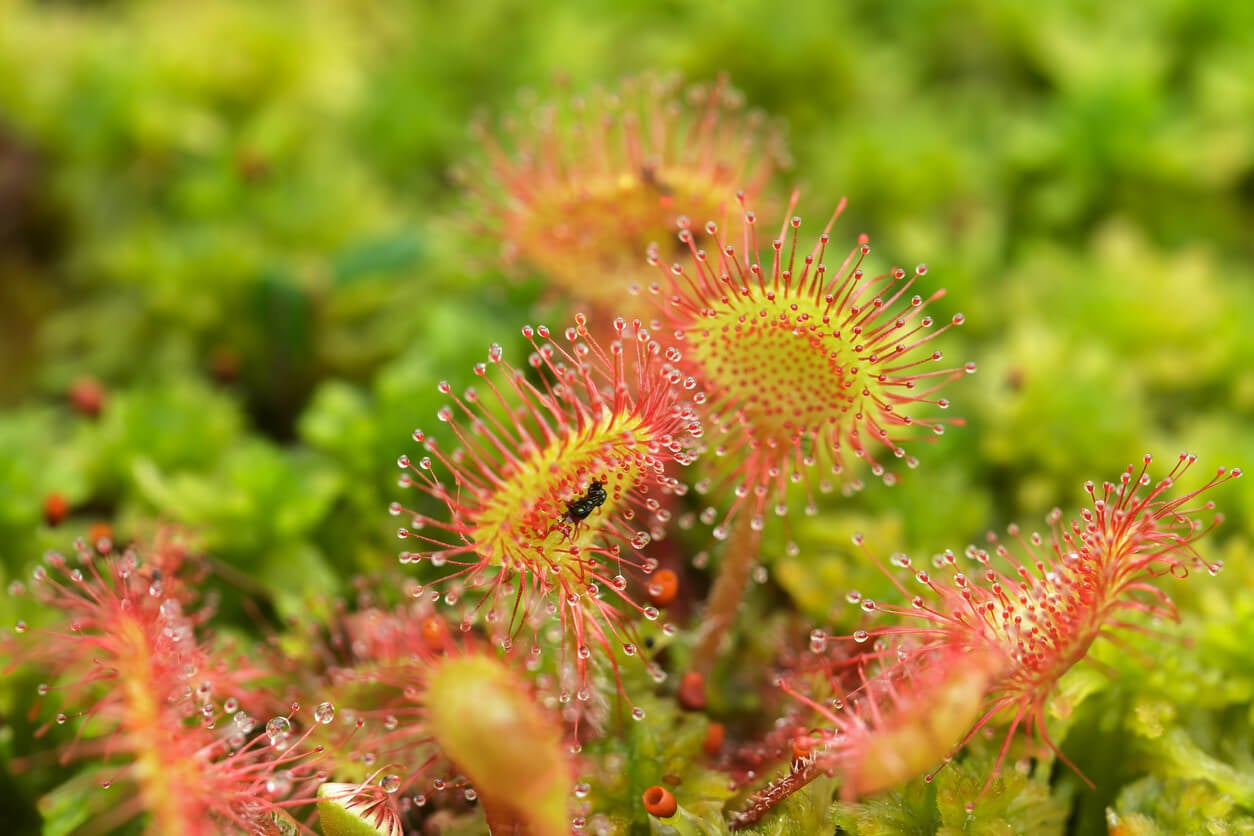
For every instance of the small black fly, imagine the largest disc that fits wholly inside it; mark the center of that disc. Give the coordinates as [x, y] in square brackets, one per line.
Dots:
[586, 504]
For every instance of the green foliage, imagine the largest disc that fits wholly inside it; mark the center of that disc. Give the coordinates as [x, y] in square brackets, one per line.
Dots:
[1151, 806]
[1014, 803]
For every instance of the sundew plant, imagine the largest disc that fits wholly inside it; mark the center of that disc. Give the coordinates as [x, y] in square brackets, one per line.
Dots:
[473, 420]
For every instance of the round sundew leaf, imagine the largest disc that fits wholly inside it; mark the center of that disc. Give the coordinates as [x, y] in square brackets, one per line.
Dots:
[343, 812]
[579, 190]
[920, 732]
[483, 719]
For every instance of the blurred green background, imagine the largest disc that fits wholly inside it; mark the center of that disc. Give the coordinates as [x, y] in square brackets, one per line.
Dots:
[238, 218]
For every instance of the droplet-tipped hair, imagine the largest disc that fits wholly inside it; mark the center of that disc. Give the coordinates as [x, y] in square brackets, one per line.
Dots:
[167, 713]
[550, 504]
[802, 366]
[899, 722]
[1027, 624]
[576, 190]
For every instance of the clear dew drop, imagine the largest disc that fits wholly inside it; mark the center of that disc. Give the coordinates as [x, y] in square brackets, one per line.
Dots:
[651, 613]
[278, 729]
[279, 784]
[861, 636]
[637, 713]
[390, 783]
[324, 713]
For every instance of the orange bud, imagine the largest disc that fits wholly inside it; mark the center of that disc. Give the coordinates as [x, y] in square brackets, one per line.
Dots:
[663, 587]
[714, 734]
[100, 537]
[87, 396]
[691, 693]
[56, 509]
[660, 802]
[434, 634]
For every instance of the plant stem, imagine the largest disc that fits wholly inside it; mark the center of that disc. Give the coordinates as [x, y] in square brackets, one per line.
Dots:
[501, 819]
[728, 591]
